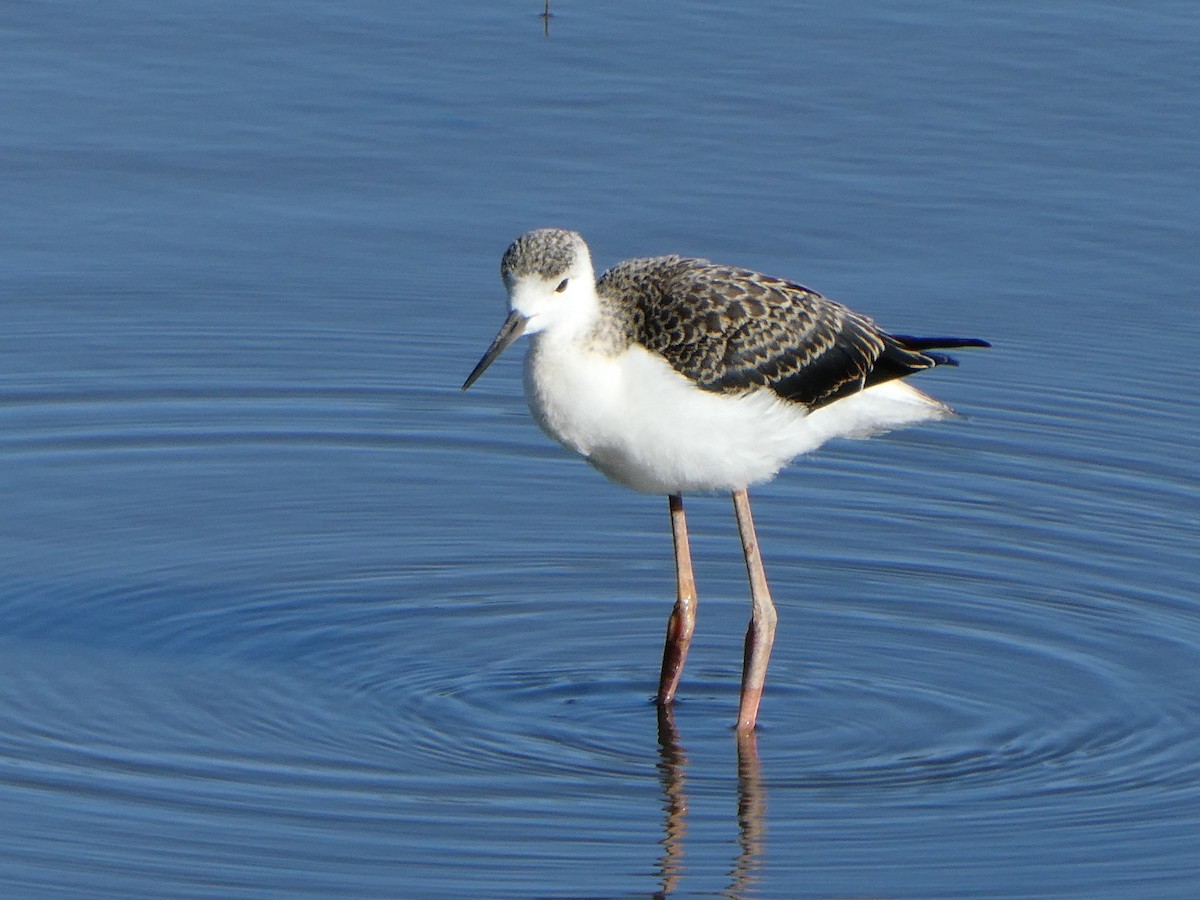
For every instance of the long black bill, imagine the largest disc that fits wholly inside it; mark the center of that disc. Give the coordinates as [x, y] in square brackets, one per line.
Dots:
[512, 329]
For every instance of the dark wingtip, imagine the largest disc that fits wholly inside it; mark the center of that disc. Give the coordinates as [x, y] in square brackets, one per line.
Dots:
[927, 346]
[938, 343]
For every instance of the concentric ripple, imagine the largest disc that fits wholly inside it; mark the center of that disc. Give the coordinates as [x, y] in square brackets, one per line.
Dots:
[247, 624]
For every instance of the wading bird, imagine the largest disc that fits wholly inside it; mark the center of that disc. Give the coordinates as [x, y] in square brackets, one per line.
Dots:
[672, 375]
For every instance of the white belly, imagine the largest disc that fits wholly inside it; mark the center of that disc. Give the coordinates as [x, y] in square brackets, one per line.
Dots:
[646, 426]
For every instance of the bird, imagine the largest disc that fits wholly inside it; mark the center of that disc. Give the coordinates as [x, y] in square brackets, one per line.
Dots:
[673, 375]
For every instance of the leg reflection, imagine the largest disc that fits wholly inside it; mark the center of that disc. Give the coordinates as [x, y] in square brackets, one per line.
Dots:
[751, 811]
[752, 817]
[671, 765]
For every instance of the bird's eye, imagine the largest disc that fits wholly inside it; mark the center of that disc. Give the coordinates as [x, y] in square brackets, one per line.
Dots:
[562, 286]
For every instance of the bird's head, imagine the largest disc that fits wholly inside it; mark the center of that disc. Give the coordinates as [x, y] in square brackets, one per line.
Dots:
[551, 285]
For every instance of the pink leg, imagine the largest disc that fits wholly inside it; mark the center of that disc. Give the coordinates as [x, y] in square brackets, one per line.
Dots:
[761, 633]
[682, 622]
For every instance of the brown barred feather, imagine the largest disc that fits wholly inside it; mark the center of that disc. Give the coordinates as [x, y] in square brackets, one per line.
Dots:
[732, 330]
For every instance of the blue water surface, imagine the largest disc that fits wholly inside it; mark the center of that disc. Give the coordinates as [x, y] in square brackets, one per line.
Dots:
[284, 613]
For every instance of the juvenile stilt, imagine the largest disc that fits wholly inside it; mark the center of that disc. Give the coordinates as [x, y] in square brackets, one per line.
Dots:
[672, 374]
[682, 621]
[760, 635]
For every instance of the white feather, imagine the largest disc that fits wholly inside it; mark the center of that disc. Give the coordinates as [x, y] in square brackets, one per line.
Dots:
[648, 427]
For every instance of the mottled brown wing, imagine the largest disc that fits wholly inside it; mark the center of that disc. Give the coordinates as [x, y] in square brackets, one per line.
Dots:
[732, 330]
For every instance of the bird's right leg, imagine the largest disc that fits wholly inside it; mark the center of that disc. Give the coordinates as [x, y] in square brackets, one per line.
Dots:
[682, 622]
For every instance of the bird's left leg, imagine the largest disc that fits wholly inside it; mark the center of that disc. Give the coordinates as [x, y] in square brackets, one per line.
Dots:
[760, 635]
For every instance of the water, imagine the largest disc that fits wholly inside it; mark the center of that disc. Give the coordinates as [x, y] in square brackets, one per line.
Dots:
[285, 613]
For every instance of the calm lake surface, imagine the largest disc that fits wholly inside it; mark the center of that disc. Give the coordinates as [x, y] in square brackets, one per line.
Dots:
[283, 613]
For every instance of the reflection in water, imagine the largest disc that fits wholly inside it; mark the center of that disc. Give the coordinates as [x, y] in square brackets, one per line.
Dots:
[751, 810]
[752, 816]
[671, 764]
